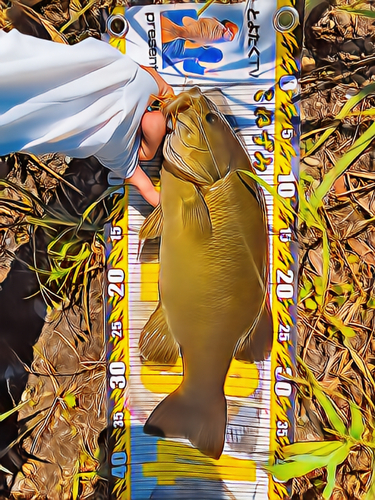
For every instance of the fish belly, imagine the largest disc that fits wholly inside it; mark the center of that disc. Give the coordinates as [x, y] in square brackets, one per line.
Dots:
[212, 288]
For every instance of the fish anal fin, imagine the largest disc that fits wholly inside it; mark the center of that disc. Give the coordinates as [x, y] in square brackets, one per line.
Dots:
[256, 345]
[153, 225]
[156, 342]
[202, 421]
[195, 214]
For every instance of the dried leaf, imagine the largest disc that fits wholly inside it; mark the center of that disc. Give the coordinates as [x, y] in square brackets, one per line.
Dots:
[325, 402]
[350, 104]
[32, 14]
[343, 164]
[363, 250]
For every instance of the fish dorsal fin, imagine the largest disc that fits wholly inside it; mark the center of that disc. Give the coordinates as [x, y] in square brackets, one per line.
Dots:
[195, 214]
[156, 342]
[153, 225]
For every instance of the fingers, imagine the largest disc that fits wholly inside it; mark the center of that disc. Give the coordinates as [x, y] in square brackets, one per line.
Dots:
[164, 89]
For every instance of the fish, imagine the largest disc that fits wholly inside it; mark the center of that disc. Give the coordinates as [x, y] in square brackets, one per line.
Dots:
[214, 266]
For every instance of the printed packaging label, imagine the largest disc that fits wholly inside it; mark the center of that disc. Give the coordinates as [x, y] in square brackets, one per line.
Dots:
[222, 43]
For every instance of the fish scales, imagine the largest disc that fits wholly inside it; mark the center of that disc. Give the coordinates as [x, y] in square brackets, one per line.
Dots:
[213, 270]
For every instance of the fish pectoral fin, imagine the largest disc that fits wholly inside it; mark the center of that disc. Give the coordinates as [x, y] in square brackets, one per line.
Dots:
[195, 214]
[153, 225]
[156, 342]
[256, 344]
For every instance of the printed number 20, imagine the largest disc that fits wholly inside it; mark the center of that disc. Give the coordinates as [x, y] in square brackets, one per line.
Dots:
[284, 288]
[116, 286]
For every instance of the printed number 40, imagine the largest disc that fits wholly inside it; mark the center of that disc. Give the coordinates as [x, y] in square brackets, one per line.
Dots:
[119, 463]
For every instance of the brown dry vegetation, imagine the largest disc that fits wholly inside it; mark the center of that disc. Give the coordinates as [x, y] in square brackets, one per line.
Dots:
[62, 409]
[67, 410]
[63, 406]
[338, 61]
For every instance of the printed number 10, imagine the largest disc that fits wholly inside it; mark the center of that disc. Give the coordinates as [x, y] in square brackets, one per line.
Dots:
[287, 185]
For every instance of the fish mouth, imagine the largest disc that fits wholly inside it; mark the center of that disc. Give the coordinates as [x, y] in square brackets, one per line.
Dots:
[173, 107]
[184, 103]
[191, 120]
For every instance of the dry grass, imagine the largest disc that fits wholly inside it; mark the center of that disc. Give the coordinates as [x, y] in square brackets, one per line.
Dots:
[336, 309]
[67, 406]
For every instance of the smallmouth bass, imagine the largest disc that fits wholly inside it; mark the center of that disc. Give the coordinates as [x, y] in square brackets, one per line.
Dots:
[213, 270]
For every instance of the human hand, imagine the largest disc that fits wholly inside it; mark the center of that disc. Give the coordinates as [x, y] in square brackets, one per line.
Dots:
[153, 126]
[164, 89]
[144, 185]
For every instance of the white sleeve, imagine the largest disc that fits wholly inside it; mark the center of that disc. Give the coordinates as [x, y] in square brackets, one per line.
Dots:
[80, 100]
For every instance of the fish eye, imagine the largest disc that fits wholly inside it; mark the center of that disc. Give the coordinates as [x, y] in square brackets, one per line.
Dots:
[211, 118]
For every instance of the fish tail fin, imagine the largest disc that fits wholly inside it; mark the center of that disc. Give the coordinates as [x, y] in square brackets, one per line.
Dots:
[256, 346]
[202, 421]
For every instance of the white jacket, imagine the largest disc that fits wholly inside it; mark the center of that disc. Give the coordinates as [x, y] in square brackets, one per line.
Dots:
[79, 100]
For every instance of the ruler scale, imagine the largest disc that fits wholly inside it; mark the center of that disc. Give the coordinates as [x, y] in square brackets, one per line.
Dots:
[257, 76]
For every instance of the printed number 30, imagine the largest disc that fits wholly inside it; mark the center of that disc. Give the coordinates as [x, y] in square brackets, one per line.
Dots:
[117, 379]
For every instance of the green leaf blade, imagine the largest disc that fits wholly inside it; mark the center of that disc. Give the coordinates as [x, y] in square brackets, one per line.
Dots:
[336, 459]
[317, 448]
[300, 465]
[357, 426]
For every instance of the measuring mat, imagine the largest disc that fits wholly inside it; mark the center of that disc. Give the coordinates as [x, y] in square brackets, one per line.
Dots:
[201, 292]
